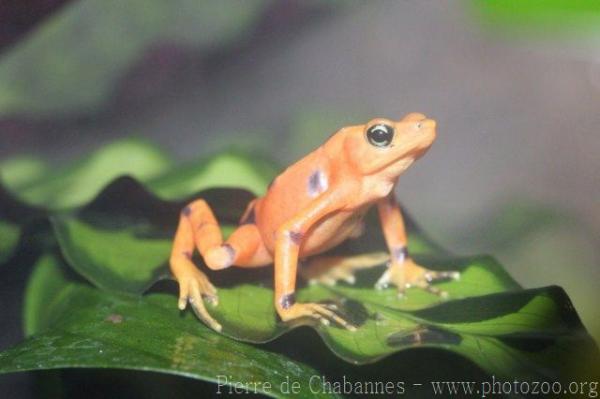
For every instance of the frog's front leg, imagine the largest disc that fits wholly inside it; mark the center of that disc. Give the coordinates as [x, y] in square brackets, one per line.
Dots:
[402, 271]
[199, 228]
[289, 238]
[194, 285]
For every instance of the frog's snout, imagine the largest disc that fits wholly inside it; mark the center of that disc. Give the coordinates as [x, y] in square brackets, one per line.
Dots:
[426, 124]
[425, 132]
[414, 117]
[423, 123]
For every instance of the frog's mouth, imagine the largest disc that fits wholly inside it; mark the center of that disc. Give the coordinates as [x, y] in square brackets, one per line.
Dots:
[410, 149]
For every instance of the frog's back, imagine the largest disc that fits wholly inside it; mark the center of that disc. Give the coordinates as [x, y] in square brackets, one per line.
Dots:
[291, 192]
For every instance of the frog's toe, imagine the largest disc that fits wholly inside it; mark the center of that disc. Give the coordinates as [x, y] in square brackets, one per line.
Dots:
[409, 274]
[329, 270]
[333, 277]
[432, 289]
[195, 289]
[209, 292]
[343, 274]
[432, 276]
[324, 313]
[423, 278]
[326, 280]
[197, 302]
[384, 281]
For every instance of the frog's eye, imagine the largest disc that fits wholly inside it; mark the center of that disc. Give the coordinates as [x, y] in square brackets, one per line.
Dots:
[380, 135]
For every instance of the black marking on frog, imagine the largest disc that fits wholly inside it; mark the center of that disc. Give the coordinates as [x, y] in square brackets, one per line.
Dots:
[296, 237]
[400, 254]
[288, 300]
[317, 183]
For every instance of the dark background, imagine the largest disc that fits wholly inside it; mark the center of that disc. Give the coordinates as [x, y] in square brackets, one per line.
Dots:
[515, 89]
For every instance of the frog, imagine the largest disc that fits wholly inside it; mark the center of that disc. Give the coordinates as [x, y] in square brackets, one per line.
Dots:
[311, 207]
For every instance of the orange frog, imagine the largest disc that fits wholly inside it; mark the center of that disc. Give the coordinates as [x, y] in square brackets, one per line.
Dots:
[314, 205]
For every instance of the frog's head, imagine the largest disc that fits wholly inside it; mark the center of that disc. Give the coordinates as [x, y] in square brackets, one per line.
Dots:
[387, 147]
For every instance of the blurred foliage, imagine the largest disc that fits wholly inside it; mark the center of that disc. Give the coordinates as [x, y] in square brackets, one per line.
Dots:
[37, 184]
[19, 171]
[543, 17]
[42, 187]
[77, 183]
[72, 62]
[230, 168]
[121, 240]
[9, 238]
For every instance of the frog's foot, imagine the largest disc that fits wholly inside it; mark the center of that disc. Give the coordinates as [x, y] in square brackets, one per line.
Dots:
[409, 274]
[321, 312]
[194, 287]
[329, 270]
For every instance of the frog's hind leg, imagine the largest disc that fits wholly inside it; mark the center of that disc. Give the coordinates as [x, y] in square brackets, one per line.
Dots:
[248, 247]
[331, 269]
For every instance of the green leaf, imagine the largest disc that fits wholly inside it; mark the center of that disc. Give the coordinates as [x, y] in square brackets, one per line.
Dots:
[75, 326]
[520, 333]
[14, 215]
[541, 18]
[533, 333]
[9, 238]
[234, 169]
[78, 183]
[31, 181]
[29, 187]
[122, 241]
[45, 284]
[19, 171]
[15, 172]
[127, 255]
